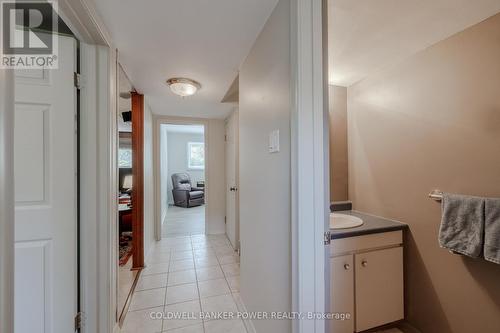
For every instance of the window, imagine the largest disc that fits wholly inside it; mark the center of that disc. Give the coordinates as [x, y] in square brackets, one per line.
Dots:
[196, 155]
[125, 158]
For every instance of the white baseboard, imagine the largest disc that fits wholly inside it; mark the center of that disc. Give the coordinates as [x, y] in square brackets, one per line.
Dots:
[163, 216]
[242, 308]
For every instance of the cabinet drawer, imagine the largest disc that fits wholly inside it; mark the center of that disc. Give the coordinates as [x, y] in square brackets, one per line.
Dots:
[365, 242]
[379, 287]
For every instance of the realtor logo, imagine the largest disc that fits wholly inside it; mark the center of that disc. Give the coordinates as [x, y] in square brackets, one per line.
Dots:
[29, 35]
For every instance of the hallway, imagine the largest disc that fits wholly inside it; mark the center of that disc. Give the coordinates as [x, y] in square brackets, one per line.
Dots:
[187, 277]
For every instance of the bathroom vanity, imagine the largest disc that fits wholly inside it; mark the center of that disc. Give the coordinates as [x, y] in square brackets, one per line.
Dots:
[366, 264]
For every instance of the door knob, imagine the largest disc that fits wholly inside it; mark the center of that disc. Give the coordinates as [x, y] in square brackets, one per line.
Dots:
[346, 267]
[364, 263]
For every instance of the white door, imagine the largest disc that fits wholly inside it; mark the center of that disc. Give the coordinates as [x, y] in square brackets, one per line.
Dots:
[45, 196]
[232, 221]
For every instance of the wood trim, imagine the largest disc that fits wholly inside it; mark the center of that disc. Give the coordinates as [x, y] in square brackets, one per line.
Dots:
[138, 180]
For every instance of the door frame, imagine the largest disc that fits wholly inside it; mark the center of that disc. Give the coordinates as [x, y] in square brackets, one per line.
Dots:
[235, 115]
[310, 199]
[159, 120]
[98, 166]
[6, 200]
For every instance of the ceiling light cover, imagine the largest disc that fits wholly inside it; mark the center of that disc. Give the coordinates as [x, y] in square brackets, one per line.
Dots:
[183, 87]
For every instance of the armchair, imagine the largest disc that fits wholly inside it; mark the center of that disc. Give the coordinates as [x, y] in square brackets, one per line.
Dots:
[185, 195]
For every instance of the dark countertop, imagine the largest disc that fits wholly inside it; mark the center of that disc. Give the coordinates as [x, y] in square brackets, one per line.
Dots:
[372, 225]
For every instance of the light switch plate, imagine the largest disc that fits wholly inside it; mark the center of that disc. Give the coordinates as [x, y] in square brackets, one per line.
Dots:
[274, 141]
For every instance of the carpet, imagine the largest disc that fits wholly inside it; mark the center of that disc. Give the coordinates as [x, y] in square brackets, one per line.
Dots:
[125, 249]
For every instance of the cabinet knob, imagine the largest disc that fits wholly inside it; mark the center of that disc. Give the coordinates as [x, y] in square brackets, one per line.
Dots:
[346, 267]
[364, 263]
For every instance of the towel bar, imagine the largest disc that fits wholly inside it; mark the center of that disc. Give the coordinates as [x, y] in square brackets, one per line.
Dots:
[436, 195]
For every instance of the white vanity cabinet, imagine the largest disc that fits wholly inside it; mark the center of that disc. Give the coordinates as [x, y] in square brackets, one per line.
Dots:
[366, 281]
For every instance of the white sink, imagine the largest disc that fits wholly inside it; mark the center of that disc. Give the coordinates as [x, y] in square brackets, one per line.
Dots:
[343, 221]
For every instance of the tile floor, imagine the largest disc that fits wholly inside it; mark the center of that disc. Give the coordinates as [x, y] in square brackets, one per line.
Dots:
[187, 274]
[181, 221]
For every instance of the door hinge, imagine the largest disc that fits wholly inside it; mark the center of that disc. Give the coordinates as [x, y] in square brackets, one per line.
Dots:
[327, 237]
[225, 219]
[78, 321]
[77, 80]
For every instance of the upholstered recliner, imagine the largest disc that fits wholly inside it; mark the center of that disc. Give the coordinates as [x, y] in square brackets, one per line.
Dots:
[185, 195]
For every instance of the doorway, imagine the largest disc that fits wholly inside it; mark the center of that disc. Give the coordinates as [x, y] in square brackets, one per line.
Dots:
[182, 179]
[127, 275]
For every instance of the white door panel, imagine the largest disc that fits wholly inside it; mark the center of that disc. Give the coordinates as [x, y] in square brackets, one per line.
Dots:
[46, 194]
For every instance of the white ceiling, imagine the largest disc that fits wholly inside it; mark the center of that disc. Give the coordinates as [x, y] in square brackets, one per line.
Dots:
[190, 129]
[204, 40]
[366, 35]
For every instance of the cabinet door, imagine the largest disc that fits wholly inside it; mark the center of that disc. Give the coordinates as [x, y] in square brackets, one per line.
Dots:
[379, 288]
[342, 294]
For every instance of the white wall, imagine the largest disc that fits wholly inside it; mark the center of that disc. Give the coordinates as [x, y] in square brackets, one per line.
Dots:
[149, 227]
[164, 174]
[265, 178]
[216, 185]
[178, 158]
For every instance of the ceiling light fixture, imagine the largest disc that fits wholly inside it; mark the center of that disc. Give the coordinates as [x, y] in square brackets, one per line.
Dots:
[183, 87]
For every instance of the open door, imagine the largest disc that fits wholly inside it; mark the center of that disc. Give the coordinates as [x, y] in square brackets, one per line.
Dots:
[45, 160]
[138, 180]
[232, 202]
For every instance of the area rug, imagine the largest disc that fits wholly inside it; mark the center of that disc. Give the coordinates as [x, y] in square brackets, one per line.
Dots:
[125, 249]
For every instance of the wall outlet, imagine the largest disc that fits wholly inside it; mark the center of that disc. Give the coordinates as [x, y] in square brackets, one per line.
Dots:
[274, 141]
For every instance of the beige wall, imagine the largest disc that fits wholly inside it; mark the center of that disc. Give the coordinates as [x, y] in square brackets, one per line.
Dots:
[216, 188]
[177, 151]
[338, 143]
[149, 208]
[265, 178]
[430, 122]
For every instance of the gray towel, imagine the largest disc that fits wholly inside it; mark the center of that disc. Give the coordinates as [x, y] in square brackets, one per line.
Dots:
[462, 224]
[492, 230]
